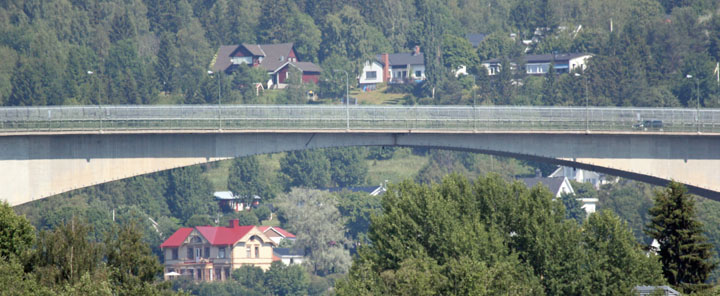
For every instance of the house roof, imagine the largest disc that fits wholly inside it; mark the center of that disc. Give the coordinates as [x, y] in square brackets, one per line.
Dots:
[544, 58]
[222, 58]
[216, 235]
[307, 66]
[403, 58]
[224, 195]
[177, 238]
[223, 235]
[650, 290]
[279, 230]
[475, 38]
[372, 190]
[552, 183]
[254, 49]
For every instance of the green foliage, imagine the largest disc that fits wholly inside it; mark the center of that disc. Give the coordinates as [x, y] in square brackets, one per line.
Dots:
[573, 208]
[347, 167]
[16, 234]
[199, 220]
[286, 280]
[506, 238]
[357, 208]
[305, 168]
[262, 212]
[684, 251]
[245, 218]
[66, 254]
[313, 216]
[134, 267]
[189, 193]
[247, 179]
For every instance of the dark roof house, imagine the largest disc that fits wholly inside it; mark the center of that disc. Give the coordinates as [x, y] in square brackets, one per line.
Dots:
[475, 38]
[276, 59]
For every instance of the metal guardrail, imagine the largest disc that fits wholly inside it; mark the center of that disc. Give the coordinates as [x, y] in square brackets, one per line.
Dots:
[336, 117]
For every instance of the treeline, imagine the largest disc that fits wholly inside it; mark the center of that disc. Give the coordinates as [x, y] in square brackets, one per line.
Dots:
[69, 261]
[489, 237]
[158, 51]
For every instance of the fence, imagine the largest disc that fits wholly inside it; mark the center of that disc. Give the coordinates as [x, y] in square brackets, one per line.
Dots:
[337, 117]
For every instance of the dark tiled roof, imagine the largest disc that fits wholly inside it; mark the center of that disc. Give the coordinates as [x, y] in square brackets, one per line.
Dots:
[475, 38]
[307, 66]
[254, 49]
[288, 252]
[403, 58]
[544, 58]
[271, 65]
[222, 60]
[552, 183]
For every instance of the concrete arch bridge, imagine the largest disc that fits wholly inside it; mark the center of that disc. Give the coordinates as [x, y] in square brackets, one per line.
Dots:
[45, 151]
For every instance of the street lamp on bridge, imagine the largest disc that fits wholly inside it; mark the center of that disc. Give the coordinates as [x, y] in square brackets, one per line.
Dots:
[697, 98]
[587, 103]
[347, 97]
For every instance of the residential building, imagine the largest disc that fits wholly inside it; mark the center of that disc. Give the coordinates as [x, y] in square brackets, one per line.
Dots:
[289, 256]
[276, 59]
[276, 233]
[559, 185]
[656, 290]
[404, 67]
[210, 253]
[539, 64]
[475, 38]
[583, 176]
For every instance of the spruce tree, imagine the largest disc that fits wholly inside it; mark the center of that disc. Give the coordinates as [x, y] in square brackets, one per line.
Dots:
[684, 251]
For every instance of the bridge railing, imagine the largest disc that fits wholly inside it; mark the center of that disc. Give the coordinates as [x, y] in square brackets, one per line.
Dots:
[336, 117]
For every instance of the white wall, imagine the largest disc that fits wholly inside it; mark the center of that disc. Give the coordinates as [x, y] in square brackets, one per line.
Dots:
[579, 62]
[369, 67]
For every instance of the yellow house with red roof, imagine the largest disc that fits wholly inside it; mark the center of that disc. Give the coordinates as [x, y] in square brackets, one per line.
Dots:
[210, 253]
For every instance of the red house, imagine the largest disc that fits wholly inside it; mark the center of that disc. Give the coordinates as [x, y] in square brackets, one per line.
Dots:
[276, 59]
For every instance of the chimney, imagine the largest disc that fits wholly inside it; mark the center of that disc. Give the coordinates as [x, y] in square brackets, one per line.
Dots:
[386, 67]
[538, 173]
[417, 50]
[234, 223]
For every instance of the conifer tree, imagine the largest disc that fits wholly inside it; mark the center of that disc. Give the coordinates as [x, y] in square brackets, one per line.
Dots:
[684, 251]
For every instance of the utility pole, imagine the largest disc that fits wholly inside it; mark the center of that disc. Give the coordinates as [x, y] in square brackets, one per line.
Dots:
[347, 98]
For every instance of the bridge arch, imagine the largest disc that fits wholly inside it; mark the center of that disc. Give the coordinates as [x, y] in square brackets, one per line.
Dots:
[39, 166]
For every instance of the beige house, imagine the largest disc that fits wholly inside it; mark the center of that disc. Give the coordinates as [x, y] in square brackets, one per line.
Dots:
[210, 253]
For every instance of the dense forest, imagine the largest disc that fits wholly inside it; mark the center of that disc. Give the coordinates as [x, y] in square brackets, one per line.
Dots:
[71, 52]
[158, 51]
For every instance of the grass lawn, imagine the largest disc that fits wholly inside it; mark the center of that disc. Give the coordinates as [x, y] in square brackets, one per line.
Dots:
[404, 165]
[377, 97]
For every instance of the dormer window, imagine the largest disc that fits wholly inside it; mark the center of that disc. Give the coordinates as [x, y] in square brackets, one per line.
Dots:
[197, 240]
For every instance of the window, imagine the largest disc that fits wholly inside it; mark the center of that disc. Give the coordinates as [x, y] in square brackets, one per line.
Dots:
[248, 252]
[257, 252]
[418, 74]
[198, 253]
[371, 74]
[190, 253]
[174, 254]
[221, 252]
[207, 252]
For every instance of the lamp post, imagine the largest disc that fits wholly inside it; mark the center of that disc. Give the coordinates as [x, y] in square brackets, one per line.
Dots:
[347, 98]
[219, 98]
[587, 104]
[473, 106]
[91, 73]
[697, 98]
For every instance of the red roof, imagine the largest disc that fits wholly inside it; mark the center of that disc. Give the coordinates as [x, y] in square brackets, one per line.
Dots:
[223, 235]
[216, 235]
[177, 238]
[279, 230]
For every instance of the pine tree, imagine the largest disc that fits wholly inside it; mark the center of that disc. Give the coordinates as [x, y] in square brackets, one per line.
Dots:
[684, 251]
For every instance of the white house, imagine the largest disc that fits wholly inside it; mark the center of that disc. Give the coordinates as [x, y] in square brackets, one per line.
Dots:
[583, 176]
[404, 67]
[560, 185]
[289, 256]
[540, 64]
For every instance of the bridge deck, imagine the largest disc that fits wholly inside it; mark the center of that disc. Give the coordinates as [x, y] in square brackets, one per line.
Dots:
[332, 118]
